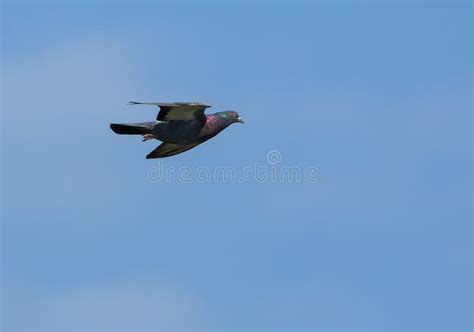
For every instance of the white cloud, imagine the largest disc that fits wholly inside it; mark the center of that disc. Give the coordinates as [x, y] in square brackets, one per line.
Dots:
[68, 87]
[56, 109]
[132, 306]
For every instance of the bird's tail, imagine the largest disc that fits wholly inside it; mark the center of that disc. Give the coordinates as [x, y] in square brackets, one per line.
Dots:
[142, 128]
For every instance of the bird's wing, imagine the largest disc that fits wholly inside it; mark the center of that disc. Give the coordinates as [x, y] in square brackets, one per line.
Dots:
[178, 111]
[169, 149]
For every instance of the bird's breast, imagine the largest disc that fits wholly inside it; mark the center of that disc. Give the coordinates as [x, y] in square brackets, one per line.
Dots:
[211, 128]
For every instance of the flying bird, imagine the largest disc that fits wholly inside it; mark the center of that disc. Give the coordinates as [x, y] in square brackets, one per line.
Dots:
[180, 127]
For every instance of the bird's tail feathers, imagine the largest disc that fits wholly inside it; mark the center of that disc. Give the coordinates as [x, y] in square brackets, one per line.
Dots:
[132, 128]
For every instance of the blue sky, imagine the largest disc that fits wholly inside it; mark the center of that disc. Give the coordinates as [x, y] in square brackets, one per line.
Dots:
[378, 96]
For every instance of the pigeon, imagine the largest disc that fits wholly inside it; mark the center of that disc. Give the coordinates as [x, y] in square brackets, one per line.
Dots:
[180, 126]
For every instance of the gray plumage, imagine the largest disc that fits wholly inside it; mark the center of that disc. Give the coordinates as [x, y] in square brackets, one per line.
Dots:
[180, 126]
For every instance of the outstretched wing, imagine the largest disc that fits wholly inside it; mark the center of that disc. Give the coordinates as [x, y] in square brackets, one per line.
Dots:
[178, 111]
[169, 149]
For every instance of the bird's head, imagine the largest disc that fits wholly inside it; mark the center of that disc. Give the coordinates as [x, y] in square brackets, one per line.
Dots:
[231, 117]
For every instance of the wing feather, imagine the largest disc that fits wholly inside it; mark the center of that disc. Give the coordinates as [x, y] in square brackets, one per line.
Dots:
[178, 111]
[170, 149]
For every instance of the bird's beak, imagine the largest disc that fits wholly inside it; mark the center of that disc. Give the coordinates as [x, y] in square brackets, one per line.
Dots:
[240, 120]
